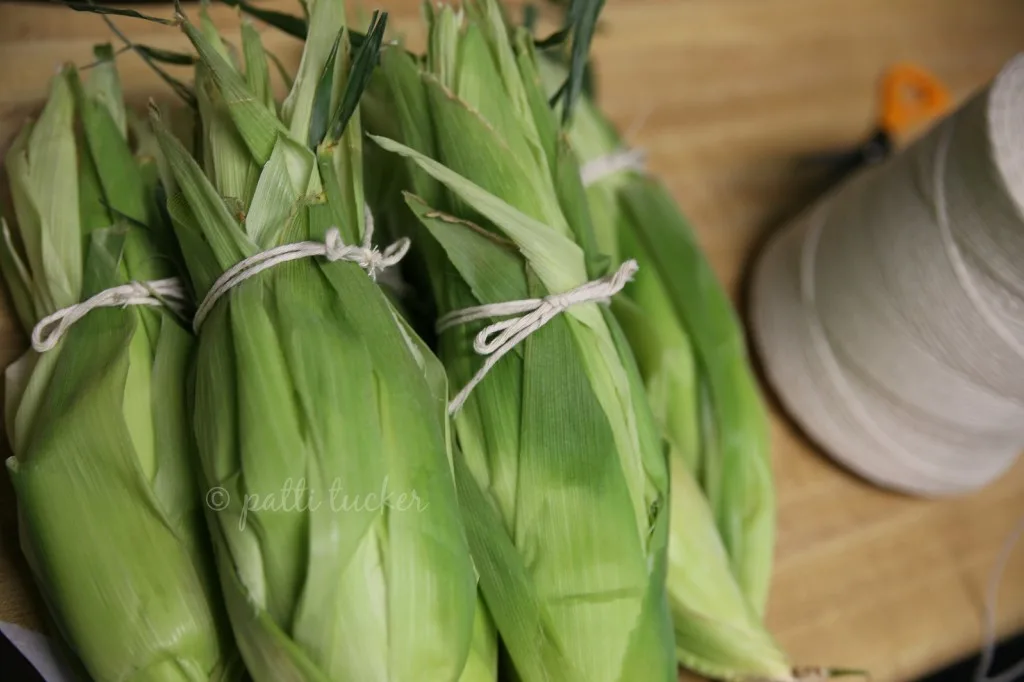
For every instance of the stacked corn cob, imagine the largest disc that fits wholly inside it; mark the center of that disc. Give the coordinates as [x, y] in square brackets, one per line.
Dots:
[564, 530]
[103, 463]
[692, 355]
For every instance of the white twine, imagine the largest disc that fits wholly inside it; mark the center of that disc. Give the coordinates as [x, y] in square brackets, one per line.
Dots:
[497, 339]
[603, 166]
[988, 649]
[162, 292]
[333, 248]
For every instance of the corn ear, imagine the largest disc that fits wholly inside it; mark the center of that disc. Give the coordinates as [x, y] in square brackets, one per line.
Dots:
[305, 373]
[735, 465]
[689, 347]
[718, 634]
[558, 465]
[109, 518]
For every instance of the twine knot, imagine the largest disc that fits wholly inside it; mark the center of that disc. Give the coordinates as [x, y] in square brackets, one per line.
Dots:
[333, 248]
[163, 292]
[495, 340]
[369, 258]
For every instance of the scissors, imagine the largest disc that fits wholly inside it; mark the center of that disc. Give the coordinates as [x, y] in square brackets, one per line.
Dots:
[909, 96]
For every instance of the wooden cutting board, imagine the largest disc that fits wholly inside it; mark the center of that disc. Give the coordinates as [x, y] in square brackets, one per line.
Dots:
[730, 92]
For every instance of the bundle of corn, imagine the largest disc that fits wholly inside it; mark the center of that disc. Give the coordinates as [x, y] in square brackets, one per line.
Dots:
[319, 416]
[691, 352]
[559, 466]
[96, 413]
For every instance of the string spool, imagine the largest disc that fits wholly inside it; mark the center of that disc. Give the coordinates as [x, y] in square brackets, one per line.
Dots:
[889, 316]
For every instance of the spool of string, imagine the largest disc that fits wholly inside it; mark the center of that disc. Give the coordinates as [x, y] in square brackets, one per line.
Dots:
[889, 317]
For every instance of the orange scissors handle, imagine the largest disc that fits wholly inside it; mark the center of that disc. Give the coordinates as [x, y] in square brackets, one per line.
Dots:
[910, 96]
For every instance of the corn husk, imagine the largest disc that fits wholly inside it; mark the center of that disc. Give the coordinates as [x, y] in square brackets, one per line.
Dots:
[691, 353]
[103, 463]
[305, 373]
[559, 467]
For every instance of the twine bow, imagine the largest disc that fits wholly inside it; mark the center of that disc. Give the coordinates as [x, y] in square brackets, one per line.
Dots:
[495, 340]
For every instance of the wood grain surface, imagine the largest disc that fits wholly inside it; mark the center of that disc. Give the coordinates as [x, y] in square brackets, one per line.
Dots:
[730, 93]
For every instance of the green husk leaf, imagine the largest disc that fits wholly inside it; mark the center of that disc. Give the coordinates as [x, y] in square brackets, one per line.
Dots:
[407, 102]
[335, 170]
[718, 633]
[284, 181]
[94, 210]
[147, 151]
[44, 189]
[320, 117]
[488, 16]
[341, 165]
[258, 126]
[482, 664]
[493, 270]
[123, 188]
[257, 73]
[277, 656]
[18, 278]
[104, 86]
[443, 25]
[479, 88]
[219, 229]
[213, 37]
[226, 159]
[366, 60]
[547, 125]
[504, 580]
[558, 261]
[471, 147]
[326, 24]
[738, 480]
[666, 361]
[201, 262]
[573, 199]
[717, 604]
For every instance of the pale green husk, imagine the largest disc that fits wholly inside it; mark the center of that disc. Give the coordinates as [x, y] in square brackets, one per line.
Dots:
[306, 374]
[559, 468]
[102, 464]
[690, 350]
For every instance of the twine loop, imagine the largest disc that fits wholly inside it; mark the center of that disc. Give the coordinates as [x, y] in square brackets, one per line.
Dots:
[162, 292]
[333, 248]
[495, 340]
[171, 293]
[619, 160]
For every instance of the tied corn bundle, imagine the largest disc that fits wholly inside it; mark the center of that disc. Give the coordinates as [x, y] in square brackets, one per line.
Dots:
[319, 416]
[691, 353]
[558, 463]
[688, 309]
[102, 468]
